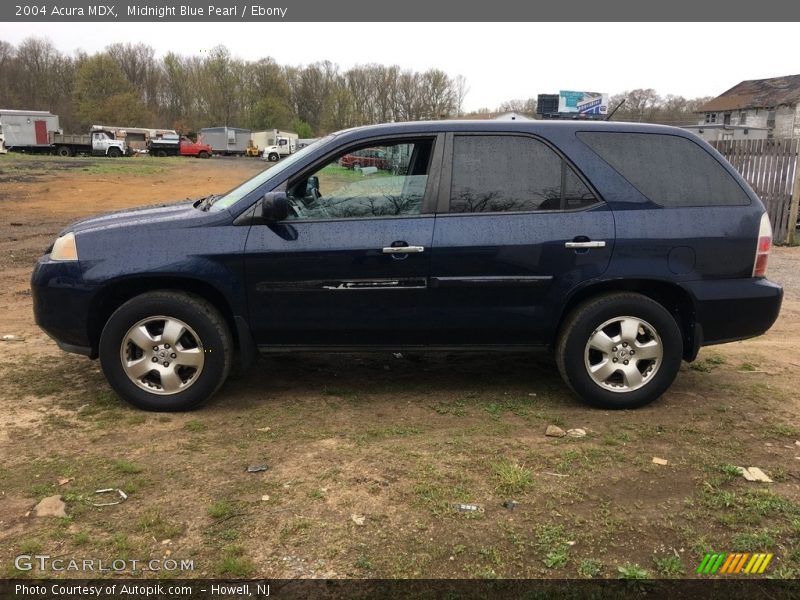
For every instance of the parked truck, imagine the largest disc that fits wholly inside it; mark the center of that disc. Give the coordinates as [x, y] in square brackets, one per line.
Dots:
[38, 132]
[174, 145]
[276, 144]
[96, 143]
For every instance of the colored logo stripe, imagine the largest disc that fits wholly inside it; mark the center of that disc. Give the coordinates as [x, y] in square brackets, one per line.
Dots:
[737, 562]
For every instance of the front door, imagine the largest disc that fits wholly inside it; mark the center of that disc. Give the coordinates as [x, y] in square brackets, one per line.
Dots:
[350, 265]
[517, 229]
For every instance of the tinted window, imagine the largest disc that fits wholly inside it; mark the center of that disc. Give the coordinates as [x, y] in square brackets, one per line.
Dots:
[509, 173]
[667, 169]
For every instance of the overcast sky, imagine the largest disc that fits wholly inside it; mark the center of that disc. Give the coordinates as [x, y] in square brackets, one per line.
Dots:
[501, 61]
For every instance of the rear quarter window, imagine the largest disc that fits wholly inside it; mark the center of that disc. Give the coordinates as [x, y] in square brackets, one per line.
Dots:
[670, 170]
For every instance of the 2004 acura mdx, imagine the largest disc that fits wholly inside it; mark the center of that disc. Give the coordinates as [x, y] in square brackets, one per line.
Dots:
[624, 248]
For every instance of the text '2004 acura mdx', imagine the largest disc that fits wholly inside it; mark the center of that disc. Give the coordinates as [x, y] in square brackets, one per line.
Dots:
[623, 248]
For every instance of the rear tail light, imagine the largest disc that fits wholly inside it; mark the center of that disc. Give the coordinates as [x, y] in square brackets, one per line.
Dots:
[763, 247]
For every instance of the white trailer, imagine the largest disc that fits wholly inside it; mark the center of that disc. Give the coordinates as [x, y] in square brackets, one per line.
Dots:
[226, 140]
[27, 130]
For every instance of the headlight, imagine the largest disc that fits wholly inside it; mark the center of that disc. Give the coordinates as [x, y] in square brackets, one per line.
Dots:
[65, 248]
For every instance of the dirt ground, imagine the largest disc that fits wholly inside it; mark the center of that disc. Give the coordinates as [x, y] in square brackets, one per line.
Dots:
[367, 454]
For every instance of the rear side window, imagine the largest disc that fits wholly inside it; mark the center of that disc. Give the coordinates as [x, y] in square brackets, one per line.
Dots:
[503, 173]
[669, 170]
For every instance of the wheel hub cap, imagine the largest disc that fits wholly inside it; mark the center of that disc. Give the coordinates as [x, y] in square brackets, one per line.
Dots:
[623, 354]
[162, 355]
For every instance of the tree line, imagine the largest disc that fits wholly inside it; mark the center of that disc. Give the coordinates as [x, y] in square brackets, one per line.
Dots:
[126, 84]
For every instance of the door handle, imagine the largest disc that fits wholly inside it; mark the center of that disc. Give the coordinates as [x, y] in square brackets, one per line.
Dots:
[597, 244]
[403, 249]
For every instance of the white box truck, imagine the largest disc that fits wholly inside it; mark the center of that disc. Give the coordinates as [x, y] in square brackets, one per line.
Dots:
[277, 144]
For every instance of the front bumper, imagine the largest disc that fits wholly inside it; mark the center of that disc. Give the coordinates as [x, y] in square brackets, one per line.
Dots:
[733, 309]
[61, 304]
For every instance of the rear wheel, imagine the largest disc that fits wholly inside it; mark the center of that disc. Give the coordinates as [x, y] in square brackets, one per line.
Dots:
[166, 351]
[619, 350]
[64, 151]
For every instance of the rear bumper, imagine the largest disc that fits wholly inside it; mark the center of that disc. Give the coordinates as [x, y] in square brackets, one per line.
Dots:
[733, 309]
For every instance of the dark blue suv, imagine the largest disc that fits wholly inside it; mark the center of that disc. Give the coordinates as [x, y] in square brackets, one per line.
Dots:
[623, 248]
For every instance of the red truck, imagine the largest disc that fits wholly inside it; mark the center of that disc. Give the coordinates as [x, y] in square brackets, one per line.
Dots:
[169, 145]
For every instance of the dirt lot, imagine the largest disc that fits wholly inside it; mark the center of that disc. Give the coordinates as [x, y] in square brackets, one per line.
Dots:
[368, 453]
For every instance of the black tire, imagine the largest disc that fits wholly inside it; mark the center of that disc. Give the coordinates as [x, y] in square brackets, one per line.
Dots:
[574, 357]
[214, 339]
[203, 154]
[64, 151]
[273, 157]
[161, 153]
[114, 152]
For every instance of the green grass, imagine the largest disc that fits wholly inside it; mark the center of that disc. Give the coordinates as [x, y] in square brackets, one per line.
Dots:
[126, 467]
[754, 541]
[316, 494]
[589, 568]
[196, 426]
[153, 523]
[296, 528]
[235, 564]
[511, 478]
[551, 541]
[221, 509]
[81, 538]
[30, 546]
[363, 563]
[632, 571]
[669, 566]
[783, 429]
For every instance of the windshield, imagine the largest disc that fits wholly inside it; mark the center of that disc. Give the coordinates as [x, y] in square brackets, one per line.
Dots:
[237, 193]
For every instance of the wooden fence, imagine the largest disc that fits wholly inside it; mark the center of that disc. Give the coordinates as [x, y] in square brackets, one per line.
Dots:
[771, 169]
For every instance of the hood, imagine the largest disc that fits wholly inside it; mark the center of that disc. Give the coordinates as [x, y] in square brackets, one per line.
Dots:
[156, 214]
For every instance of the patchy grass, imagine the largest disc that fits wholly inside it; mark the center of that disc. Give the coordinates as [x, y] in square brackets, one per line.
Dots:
[669, 566]
[127, 467]
[221, 509]
[632, 571]
[234, 563]
[398, 441]
[512, 478]
[589, 568]
[196, 426]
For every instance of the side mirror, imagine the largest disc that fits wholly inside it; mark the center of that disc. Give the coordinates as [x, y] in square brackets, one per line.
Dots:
[274, 207]
[312, 185]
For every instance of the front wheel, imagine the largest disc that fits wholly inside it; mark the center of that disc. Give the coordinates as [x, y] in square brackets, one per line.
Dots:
[203, 154]
[273, 157]
[114, 152]
[166, 351]
[619, 350]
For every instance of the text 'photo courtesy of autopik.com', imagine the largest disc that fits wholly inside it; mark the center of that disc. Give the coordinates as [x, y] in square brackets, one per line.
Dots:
[363, 300]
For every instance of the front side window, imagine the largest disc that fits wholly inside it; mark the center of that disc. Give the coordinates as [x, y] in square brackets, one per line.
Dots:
[502, 173]
[385, 180]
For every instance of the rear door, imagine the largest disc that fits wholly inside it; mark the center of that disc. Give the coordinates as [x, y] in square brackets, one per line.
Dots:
[517, 227]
